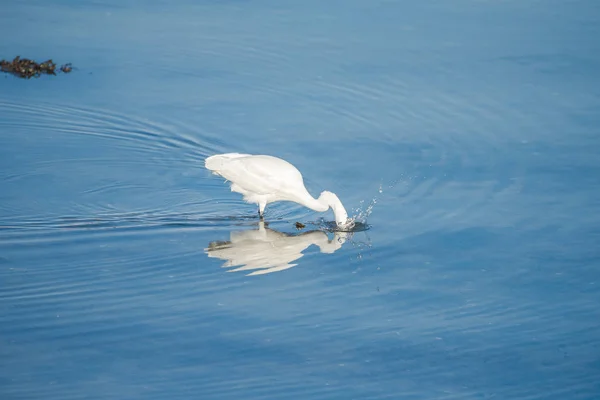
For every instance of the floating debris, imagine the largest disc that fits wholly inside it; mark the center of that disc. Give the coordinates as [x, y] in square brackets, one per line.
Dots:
[300, 225]
[66, 68]
[26, 68]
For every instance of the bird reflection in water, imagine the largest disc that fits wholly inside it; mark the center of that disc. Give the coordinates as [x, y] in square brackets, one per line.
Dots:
[265, 250]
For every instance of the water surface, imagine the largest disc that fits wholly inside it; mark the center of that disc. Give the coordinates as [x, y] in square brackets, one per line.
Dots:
[467, 131]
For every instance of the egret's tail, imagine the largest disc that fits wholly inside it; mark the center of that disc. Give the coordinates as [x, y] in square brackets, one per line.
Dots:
[216, 162]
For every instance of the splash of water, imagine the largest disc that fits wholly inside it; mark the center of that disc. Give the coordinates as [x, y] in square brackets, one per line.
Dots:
[362, 213]
[358, 221]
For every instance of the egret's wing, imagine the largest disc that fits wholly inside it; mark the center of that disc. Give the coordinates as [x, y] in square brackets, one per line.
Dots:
[215, 163]
[262, 175]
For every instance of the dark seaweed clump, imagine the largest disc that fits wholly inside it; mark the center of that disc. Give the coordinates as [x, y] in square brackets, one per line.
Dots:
[26, 68]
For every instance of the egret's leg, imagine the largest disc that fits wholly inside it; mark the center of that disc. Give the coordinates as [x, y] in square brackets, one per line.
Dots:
[261, 210]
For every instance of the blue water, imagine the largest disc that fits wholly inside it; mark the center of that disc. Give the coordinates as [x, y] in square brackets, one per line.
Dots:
[465, 134]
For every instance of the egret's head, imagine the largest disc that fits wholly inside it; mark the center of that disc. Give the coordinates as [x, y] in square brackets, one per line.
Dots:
[341, 216]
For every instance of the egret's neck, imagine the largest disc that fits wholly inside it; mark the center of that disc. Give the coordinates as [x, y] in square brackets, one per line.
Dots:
[331, 200]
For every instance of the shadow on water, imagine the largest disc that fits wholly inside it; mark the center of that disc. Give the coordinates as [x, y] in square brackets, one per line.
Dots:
[129, 220]
[265, 250]
[260, 251]
[148, 219]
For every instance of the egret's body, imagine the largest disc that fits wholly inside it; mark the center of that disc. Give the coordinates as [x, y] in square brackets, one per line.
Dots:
[265, 179]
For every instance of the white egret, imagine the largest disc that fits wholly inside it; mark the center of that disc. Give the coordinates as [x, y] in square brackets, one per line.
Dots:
[264, 179]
